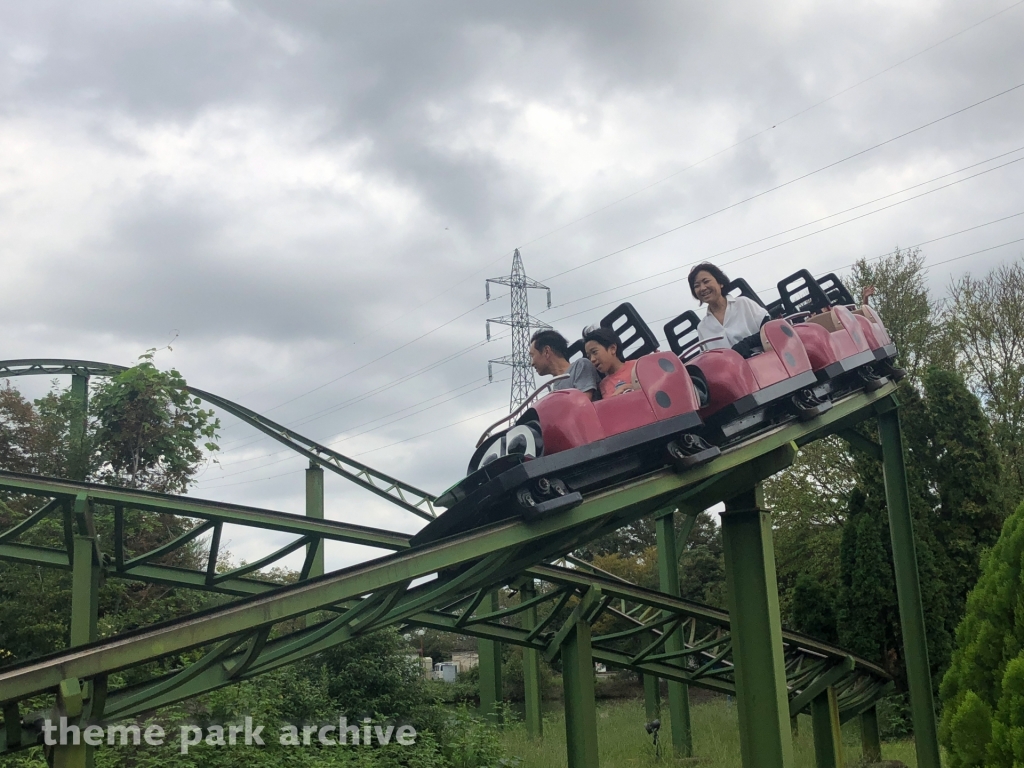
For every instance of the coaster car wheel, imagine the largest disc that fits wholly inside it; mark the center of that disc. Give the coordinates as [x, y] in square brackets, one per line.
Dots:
[894, 373]
[871, 380]
[546, 496]
[808, 405]
[690, 451]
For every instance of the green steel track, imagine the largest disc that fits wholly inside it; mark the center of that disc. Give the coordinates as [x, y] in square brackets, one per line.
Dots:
[406, 496]
[441, 585]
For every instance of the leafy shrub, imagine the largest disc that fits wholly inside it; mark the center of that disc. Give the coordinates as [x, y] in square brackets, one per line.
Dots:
[894, 717]
[513, 685]
[468, 741]
[983, 690]
[372, 675]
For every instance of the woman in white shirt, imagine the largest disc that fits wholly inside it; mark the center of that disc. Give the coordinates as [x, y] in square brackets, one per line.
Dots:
[735, 318]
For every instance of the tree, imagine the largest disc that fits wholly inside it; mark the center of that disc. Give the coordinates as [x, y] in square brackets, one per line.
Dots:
[986, 319]
[372, 675]
[913, 319]
[966, 471]
[813, 611]
[139, 404]
[702, 566]
[983, 691]
[148, 429]
[953, 481]
[808, 503]
[810, 499]
[866, 617]
[631, 552]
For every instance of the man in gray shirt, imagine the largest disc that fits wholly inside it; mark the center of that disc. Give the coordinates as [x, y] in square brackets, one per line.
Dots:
[549, 354]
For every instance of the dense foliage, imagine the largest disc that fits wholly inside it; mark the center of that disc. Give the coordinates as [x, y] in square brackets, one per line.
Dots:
[963, 426]
[141, 430]
[963, 420]
[147, 430]
[983, 691]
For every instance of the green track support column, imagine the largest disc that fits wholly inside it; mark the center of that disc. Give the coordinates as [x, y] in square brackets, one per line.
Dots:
[490, 666]
[578, 688]
[762, 703]
[315, 509]
[78, 461]
[652, 695]
[678, 693]
[870, 742]
[85, 585]
[69, 704]
[908, 591]
[531, 668]
[828, 736]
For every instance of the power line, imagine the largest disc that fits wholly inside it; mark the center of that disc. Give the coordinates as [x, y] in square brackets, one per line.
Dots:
[787, 183]
[501, 408]
[480, 382]
[365, 423]
[732, 146]
[383, 387]
[777, 245]
[372, 450]
[370, 393]
[349, 437]
[814, 221]
[493, 410]
[972, 253]
[918, 245]
[773, 247]
[761, 291]
[673, 282]
[376, 359]
[772, 127]
[671, 176]
[432, 431]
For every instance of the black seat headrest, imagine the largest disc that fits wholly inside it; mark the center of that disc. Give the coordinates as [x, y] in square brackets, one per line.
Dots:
[637, 337]
[835, 291]
[800, 292]
[681, 331]
[742, 287]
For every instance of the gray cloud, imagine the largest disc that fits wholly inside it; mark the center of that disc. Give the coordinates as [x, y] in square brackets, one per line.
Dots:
[301, 188]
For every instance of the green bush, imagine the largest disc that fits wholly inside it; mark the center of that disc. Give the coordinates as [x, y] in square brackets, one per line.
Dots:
[467, 741]
[372, 675]
[465, 690]
[894, 716]
[513, 684]
[983, 691]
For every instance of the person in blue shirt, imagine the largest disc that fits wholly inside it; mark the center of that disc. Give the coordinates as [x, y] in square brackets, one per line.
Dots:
[549, 355]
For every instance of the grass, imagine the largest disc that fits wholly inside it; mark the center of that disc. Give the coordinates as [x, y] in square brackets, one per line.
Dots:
[623, 742]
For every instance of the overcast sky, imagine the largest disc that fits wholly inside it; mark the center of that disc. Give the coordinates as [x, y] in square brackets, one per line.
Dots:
[309, 195]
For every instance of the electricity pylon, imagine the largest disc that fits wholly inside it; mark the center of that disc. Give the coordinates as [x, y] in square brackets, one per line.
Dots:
[521, 322]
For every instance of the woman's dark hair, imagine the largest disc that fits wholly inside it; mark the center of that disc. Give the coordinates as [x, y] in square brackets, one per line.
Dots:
[605, 337]
[553, 339]
[711, 269]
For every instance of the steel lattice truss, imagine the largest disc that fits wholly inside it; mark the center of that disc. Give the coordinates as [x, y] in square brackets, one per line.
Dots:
[643, 620]
[520, 321]
[440, 584]
[402, 494]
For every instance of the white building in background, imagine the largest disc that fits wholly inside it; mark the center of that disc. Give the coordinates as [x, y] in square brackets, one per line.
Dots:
[447, 671]
[465, 660]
